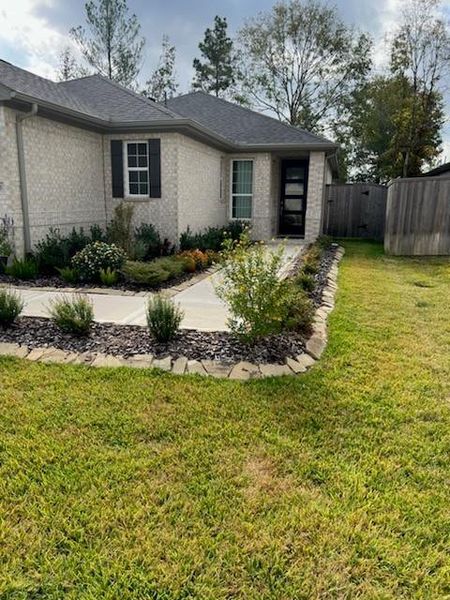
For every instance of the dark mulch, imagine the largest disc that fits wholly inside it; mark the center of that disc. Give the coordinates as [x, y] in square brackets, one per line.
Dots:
[128, 340]
[326, 261]
[57, 282]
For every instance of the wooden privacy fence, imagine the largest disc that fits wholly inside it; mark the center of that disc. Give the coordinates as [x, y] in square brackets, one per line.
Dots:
[418, 217]
[355, 210]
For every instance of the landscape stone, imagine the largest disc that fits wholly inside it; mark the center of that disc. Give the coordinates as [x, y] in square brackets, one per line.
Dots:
[84, 358]
[9, 349]
[315, 346]
[305, 361]
[274, 370]
[195, 366]
[107, 360]
[140, 361]
[165, 364]
[244, 370]
[36, 353]
[216, 369]
[53, 355]
[179, 365]
[295, 366]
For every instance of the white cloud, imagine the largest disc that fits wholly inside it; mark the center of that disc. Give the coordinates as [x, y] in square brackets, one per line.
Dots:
[389, 17]
[29, 38]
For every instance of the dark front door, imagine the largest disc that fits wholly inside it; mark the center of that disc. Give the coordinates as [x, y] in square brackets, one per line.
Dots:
[294, 180]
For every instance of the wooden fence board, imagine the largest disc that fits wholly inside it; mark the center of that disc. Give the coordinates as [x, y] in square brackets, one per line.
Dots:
[355, 210]
[418, 217]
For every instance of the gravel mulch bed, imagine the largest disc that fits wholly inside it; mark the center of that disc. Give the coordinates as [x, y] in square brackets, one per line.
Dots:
[321, 277]
[129, 340]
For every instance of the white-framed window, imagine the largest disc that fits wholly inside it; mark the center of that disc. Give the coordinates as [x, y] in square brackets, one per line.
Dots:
[136, 163]
[241, 189]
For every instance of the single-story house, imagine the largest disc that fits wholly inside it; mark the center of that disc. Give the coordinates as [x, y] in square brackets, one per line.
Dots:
[441, 171]
[71, 151]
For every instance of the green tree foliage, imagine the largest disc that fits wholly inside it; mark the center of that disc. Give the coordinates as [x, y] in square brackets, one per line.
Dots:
[391, 126]
[68, 67]
[420, 52]
[111, 45]
[375, 134]
[163, 84]
[215, 72]
[300, 61]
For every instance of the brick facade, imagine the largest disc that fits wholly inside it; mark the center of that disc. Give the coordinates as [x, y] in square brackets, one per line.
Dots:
[68, 173]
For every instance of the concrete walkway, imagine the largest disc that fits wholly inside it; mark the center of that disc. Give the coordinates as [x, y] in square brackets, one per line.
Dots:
[203, 310]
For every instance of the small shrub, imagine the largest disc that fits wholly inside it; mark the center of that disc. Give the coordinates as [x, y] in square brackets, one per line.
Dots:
[324, 241]
[97, 234]
[311, 268]
[173, 264]
[72, 314]
[251, 287]
[189, 263]
[163, 318]
[213, 256]
[305, 281]
[120, 231]
[149, 274]
[69, 275]
[96, 256]
[23, 269]
[55, 251]
[300, 309]
[109, 277]
[147, 242]
[11, 305]
[200, 258]
[211, 238]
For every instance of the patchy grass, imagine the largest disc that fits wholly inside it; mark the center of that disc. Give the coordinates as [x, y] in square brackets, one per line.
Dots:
[120, 484]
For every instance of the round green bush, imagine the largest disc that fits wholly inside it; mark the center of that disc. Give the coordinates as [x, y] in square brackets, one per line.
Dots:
[97, 256]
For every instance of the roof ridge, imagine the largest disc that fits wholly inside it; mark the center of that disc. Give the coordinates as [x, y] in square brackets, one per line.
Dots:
[140, 97]
[245, 108]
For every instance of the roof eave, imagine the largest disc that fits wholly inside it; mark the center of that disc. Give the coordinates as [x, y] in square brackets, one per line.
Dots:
[182, 125]
[310, 146]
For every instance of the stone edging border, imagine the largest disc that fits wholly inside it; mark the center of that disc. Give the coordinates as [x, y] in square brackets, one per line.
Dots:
[168, 291]
[240, 371]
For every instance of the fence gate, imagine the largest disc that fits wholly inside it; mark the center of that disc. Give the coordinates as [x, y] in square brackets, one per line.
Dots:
[355, 210]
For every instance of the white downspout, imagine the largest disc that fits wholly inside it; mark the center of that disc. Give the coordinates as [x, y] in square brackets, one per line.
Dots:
[22, 176]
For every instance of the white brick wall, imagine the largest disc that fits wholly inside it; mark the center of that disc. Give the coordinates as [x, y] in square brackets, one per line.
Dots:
[199, 176]
[64, 172]
[161, 212]
[69, 182]
[315, 198]
[10, 202]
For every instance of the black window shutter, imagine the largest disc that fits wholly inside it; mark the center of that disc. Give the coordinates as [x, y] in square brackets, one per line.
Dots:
[154, 151]
[117, 168]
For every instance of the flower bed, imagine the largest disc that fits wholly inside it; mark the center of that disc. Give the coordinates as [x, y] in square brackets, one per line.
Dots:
[283, 353]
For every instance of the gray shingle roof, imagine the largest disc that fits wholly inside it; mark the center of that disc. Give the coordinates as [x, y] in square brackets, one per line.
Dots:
[95, 96]
[115, 102]
[108, 104]
[238, 124]
[40, 88]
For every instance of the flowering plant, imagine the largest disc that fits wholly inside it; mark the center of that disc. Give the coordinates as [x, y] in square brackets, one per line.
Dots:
[97, 256]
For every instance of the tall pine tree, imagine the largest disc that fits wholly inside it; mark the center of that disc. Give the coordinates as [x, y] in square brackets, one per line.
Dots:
[111, 45]
[215, 71]
[162, 84]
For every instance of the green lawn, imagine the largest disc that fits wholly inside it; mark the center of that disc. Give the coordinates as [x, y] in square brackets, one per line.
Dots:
[129, 484]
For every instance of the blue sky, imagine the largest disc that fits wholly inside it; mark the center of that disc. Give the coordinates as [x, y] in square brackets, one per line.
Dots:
[33, 32]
